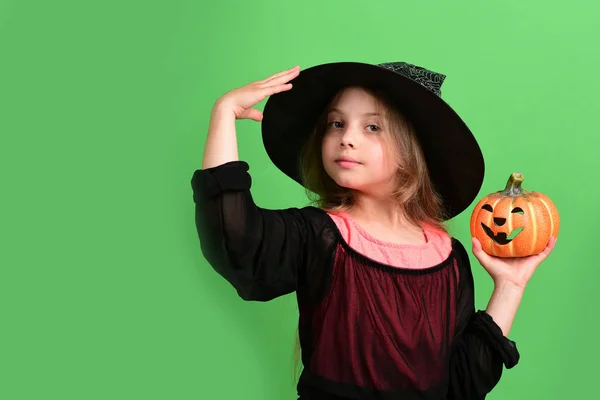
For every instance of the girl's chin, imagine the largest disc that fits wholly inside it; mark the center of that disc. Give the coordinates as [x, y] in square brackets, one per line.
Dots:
[348, 184]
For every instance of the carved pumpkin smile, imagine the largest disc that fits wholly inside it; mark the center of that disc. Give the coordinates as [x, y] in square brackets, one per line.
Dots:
[501, 237]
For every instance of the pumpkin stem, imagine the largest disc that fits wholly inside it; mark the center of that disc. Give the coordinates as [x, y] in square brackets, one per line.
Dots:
[513, 186]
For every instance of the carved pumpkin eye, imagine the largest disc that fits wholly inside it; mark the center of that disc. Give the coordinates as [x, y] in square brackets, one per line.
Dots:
[488, 208]
[518, 210]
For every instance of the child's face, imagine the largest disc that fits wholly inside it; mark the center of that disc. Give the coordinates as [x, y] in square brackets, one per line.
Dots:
[357, 130]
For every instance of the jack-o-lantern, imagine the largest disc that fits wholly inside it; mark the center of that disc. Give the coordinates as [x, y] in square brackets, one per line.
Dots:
[514, 222]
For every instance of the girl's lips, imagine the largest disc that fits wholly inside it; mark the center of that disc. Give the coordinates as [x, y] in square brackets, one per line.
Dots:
[347, 164]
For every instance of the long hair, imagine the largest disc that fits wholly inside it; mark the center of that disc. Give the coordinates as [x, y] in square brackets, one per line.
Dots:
[415, 194]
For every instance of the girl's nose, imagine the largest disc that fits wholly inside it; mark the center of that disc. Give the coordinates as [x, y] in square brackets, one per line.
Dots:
[348, 139]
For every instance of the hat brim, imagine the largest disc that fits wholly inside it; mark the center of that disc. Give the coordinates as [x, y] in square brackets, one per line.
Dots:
[453, 156]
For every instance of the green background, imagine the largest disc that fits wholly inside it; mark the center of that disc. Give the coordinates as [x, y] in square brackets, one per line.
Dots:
[104, 108]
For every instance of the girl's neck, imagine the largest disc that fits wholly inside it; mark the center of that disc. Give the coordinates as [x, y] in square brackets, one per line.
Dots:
[388, 226]
[380, 212]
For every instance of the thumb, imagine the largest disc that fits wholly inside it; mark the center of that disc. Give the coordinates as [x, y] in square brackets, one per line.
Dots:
[253, 114]
[478, 252]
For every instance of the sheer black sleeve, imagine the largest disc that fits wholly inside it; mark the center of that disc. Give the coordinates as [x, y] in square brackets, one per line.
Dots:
[258, 251]
[480, 350]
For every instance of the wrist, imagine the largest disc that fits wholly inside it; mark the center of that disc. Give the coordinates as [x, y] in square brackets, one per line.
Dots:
[509, 287]
[504, 303]
[223, 109]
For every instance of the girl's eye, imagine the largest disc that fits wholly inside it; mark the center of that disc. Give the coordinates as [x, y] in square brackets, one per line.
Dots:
[373, 128]
[336, 124]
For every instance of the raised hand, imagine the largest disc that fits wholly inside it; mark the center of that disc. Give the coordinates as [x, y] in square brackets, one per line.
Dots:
[242, 99]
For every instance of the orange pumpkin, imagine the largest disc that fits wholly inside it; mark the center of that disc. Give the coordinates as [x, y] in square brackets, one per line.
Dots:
[514, 222]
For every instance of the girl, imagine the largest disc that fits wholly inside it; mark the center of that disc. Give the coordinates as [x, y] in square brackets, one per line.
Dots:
[385, 295]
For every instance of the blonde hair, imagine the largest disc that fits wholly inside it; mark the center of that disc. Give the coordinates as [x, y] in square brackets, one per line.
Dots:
[414, 194]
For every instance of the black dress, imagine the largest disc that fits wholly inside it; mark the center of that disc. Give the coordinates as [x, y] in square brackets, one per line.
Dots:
[367, 330]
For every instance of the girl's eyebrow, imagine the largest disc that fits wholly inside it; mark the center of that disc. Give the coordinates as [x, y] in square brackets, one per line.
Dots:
[368, 114]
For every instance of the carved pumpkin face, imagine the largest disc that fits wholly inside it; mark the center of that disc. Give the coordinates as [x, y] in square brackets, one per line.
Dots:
[514, 222]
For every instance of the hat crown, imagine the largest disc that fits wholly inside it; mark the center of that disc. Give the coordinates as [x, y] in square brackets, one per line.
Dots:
[429, 79]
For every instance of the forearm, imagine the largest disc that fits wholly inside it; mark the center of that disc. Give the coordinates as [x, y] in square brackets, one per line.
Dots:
[221, 142]
[503, 305]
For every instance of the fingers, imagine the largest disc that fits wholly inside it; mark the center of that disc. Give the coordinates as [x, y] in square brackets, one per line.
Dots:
[531, 263]
[546, 252]
[280, 88]
[281, 77]
[271, 90]
[282, 73]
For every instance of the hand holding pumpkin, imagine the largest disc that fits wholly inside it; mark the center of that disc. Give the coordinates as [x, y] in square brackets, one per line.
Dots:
[517, 270]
